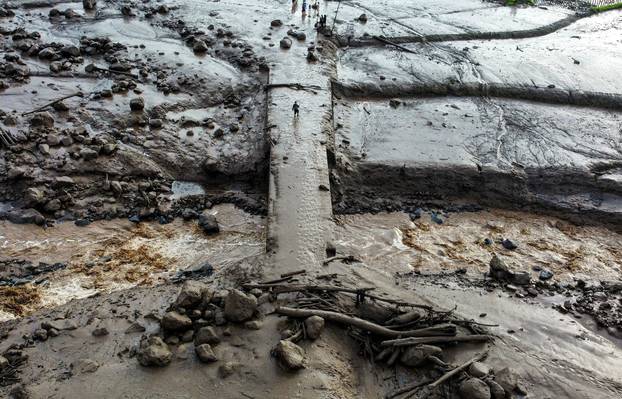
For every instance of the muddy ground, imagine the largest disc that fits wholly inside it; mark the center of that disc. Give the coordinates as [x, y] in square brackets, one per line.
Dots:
[473, 151]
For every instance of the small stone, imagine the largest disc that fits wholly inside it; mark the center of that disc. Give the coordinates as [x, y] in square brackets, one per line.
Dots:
[521, 278]
[479, 370]
[205, 353]
[206, 335]
[362, 18]
[173, 321]
[253, 325]
[153, 352]
[70, 51]
[227, 369]
[509, 244]
[83, 366]
[3, 362]
[506, 379]
[239, 306]
[137, 104]
[199, 47]
[276, 23]
[42, 119]
[100, 332]
[191, 294]
[135, 327]
[209, 224]
[40, 334]
[89, 4]
[545, 275]
[290, 356]
[155, 123]
[474, 388]
[285, 43]
[59, 325]
[88, 154]
[314, 325]
[415, 356]
[108, 149]
[496, 390]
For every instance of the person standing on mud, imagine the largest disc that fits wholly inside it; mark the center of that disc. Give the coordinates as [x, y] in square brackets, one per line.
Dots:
[296, 109]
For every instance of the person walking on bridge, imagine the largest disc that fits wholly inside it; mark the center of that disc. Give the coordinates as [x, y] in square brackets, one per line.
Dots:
[296, 109]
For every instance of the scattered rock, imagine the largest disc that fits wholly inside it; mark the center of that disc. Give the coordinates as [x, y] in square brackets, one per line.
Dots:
[496, 390]
[474, 388]
[89, 4]
[100, 332]
[209, 224]
[509, 244]
[239, 306]
[314, 326]
[285, 43]
[3, 362]
[205, 353]
[135, 327]
[362, 18]
[173, 321]
[137, 104]
[206, 335]
[42, 119]
[83, 366]
[26, 216]
[290, 356]
[253, 325]
[479, 370]
[545, 275]
[415, 356]
[153, 352]
[199, 46]
[191, 294]
[276, 23]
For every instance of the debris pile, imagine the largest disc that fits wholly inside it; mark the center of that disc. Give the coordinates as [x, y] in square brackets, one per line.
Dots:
[389, 331]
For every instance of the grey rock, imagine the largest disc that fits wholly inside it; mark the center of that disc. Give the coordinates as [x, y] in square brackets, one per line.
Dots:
[191, 294]
[26, 216]
[285, 43]
[209, 224]
[40, 334]
[135, 327]
[239, 306]
[479, 369]
[199, 47]
[42, 119]
[276, 23]
[87, 154]
[290, 356]
[153, 352]
[33, 196]
[205, 353]
[137, 104]
[314, 326]
[206, 335]
[84, 366]
[173, 321]
[496, 390]
[415, 356]
[3, 362]
[70, 51]
[100, 332]
[253, 325]
[507, 379]
[89, 4]
[59, 325]
[474, 388]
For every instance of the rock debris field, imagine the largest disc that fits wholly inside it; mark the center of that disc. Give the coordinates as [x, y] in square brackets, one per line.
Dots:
[441, 218]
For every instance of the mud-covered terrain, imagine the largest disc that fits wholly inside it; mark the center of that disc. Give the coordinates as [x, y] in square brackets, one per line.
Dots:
[438, 216]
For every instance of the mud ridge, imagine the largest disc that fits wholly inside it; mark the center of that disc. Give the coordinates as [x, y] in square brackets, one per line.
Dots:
[344, 41]
[550, 95]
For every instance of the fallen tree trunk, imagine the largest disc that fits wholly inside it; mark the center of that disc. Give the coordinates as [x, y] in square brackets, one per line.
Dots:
[437, 340]
[364, 324]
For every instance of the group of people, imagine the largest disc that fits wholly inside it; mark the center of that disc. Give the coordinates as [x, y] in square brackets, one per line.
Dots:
[315, 6]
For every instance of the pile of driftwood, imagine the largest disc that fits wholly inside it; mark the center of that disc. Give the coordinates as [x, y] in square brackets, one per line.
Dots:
[388, 330]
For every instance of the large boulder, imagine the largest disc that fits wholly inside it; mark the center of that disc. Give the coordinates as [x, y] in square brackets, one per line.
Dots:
[239, 306]
[474, 388]
[290, 356]
[173, 321]
[314, 326]
[153, 352]
[415, 356]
